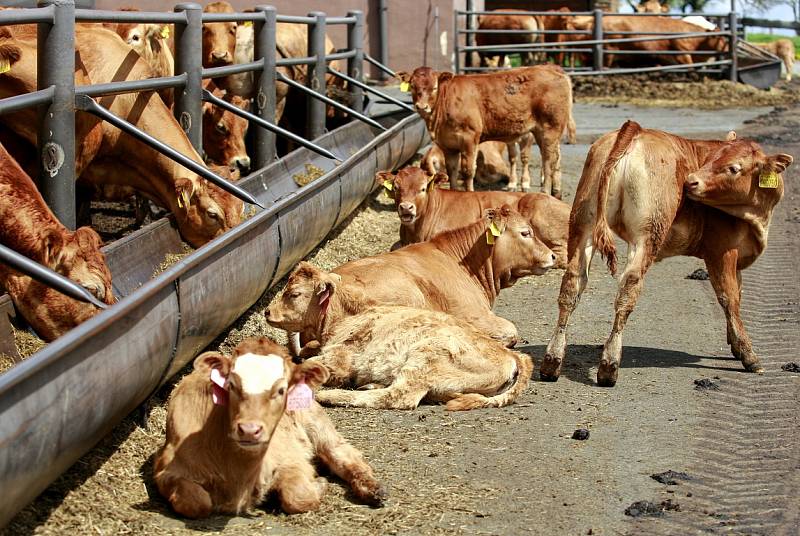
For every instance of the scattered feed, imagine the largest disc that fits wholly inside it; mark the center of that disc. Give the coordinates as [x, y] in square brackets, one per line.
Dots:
[312, 173]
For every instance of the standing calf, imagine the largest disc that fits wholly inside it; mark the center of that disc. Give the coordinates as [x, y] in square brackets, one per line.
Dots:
[633, 183]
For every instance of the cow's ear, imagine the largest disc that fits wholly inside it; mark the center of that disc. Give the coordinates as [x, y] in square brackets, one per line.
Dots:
[382, 176]
[441, 178]
[53, 248]
[444, 77]
[403, 76]
[779, 162]
[327, 282]
[313, 374]
[305, 270]
[207, 361]
[731, 136]
[184, 189]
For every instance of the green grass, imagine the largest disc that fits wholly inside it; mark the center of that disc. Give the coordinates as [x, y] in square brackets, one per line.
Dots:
[768, 38]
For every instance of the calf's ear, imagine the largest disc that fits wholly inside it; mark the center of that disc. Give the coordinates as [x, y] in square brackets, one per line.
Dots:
[311, 373]
[731, 136]
[382, 176]
[53, 245]
[441, 178]
[213, 360]
[779, 162]
[444, 77]
[184, 189]
[328, 282]
[403, 76]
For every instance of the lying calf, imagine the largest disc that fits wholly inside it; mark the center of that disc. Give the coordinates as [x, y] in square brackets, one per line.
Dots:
[426, 210]
[418, 355]
[460, 272]
[243, 426]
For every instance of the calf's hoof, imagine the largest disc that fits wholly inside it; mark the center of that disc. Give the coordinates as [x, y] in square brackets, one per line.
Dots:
[557, 194]
[754, 367]
[607, 374]
[550, 369]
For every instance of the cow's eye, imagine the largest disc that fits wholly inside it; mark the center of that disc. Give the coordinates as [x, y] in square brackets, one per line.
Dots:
[526, 233]
[222, 128]
[281, 391]
[135, 38]
[294, 295]
[232, 30]
[734, 169]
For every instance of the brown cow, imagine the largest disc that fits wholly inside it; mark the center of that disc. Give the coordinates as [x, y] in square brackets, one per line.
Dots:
[460, 272]
[633, 182]
[29, 227]
[404, 355]
[651, 6]
[490, 165]
[784, 49]
[506, 22]
[555, 23]
[219, 38]
[426, 210]
[224, 132]
[460, 111]
[105, 155]
[242, 427]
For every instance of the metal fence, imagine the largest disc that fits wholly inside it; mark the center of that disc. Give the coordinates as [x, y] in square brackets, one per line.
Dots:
[59, 97]
[594, 42]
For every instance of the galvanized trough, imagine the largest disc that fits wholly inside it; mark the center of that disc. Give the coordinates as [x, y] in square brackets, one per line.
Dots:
[58, 403]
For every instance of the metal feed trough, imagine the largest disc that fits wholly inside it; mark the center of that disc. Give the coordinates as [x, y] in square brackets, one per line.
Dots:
[58, 403]
[738, 63]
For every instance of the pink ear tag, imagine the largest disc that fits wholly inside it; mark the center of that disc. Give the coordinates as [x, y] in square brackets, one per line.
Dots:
[219, 392]
[299, 397]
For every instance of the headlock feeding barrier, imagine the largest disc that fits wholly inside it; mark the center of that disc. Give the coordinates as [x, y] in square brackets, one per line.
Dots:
[55, 405]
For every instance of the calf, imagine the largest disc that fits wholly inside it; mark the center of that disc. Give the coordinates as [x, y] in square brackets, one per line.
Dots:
[460, 272]
[426, 210]
[516, 22]
[241, 427]
[219, 38]
[784, 49]
[633, 183]
[413, 354]
[224, 133]
[29, 227]
[460, 111]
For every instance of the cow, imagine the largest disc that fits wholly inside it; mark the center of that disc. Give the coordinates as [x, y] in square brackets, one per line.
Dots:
[104, 154]
[30, 228]
[224, 132]
[242, 427]
[651, 6]
[516, 22]
[426, 210]
[557, 22]
[667, 196]
[403, 355]
[784, 49]
[460, 111]
[219, 38]
[460, 272]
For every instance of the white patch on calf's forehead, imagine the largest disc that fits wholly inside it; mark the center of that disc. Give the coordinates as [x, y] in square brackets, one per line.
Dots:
[258, 373]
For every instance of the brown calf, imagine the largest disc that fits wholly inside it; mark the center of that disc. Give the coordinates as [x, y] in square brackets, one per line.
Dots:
[506, 22]
[784, 49]
[460, 111]
[219, 38]
[633, 183]
[224, 133]
[241, 427]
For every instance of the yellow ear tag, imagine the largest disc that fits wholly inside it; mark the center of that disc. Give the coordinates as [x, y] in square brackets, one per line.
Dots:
[494, 229]
[489, 237]
[389, 186]
[5, 66]
[405, 87]
[164, 32]
[431, 184]
[768, 180]
[248, 23]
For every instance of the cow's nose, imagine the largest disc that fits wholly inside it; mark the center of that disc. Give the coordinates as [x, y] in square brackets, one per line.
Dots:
[250, 430]
[692, 182]
[406, 207]
[243, 163]
[217, 55]
[553, 257]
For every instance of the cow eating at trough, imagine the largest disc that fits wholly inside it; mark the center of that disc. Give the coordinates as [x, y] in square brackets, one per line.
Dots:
[461, 111]
[242, 427]
[668, 196]
[426, 210]
[460, 272]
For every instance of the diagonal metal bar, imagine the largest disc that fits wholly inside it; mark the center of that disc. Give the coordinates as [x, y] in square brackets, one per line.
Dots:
[311, 146]
[87, 104]
[365, 87]
[379, 65]
[371, 122]
[48, 277]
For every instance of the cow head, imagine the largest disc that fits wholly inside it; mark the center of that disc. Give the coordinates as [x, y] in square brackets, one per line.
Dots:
[411, 190]
[253, 387]
[204, 210]
[223, 135]
[738, 173]
[516, 250]
[219, 38]
[77, 255]
[304, 300]
[651, 6]
[424, 84]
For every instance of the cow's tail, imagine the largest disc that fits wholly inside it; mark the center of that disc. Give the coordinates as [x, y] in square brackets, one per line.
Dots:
[475, 400]
[603, 238]
[571, 128]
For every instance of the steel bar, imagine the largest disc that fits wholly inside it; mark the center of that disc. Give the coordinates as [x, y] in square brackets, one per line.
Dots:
[235, 68]
[288, 62]
[233, 17]
[327, 100]
[189, 60]
[345, 55]
[47, 277]
[686, 66]
[132, 86]
[383, 33]
[733, 74]
[528, 32]
[88, 104]
[349, 19]
[597, 35]
[27, 16]
[371, 89]
[355, 63]
[601, 41]
[460, 12]
[264, 37]
[457, 48]
[55, 65]
[768, 23]
[210, 97]
[468, 31]
[99, 15]
[27, 100]
[315, 77]
[379, 65]
[294, 19]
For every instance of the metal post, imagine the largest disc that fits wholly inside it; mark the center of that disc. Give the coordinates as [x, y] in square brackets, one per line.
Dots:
[732, 44]
[189, 60]
[470, 36]
[264, 36]
[315, 76]
[456, 47]
[597, 35]
[56, 67]
[355, 65]
[383, 29]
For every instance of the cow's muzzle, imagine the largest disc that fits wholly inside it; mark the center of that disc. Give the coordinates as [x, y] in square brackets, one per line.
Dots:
[694, 186]
[407, 212]
[242, 163]
[220, 57]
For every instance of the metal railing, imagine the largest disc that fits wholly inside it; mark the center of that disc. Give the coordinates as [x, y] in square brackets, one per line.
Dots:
[595, 43]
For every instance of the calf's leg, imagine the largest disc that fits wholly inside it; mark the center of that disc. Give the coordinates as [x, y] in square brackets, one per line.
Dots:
[549, 147]
[513, 179]
[403, 393]
[187, 498]
[469, 163]
[298, 488]
[496, 327]
[451, 161]
[525, 145]
[726, 280]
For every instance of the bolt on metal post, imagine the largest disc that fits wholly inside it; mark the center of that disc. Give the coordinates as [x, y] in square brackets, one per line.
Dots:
[265, 46]
[355, 65]
[315, 79]
[189, 60]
